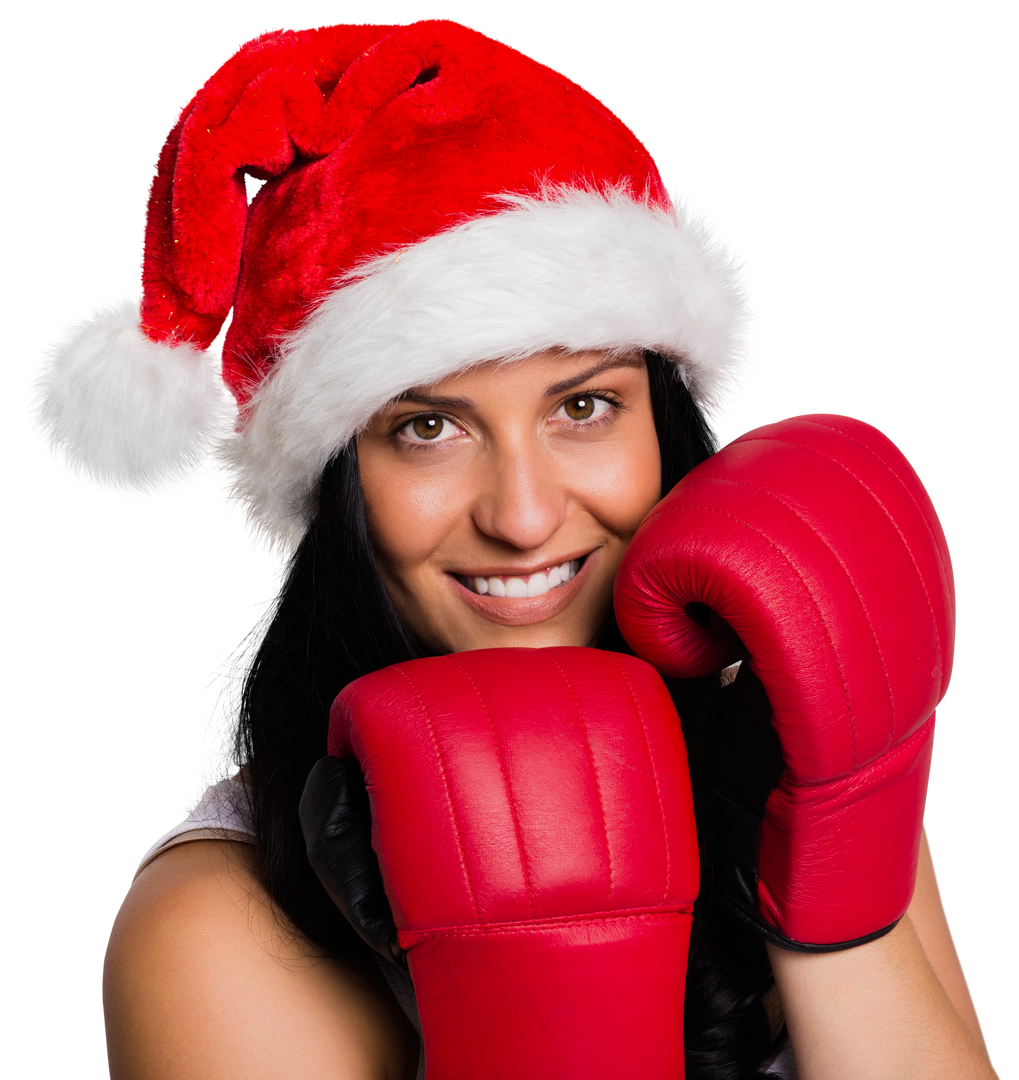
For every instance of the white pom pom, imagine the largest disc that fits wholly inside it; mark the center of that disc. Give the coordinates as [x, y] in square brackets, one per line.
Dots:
[124, 418]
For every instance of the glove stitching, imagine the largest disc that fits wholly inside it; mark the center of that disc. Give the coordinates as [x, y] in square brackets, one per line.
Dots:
[845, 569]
[940, 546]
[409, 938]
[594, 772]
[862, 777]
[505, 779]
[654, 772]
[933, 531]
[445, 783]
[750, 528]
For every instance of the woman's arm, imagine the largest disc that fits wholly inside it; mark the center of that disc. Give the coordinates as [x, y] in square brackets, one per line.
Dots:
[203, 983]
[896, 1007]
[928, 918]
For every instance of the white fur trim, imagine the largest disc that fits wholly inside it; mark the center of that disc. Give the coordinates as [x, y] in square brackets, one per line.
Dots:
[575, 269]
[127, 409]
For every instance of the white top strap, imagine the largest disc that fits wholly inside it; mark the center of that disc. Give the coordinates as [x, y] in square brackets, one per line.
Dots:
[223, 813]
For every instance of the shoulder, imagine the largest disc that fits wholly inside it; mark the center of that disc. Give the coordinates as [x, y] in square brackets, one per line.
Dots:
[203, 980]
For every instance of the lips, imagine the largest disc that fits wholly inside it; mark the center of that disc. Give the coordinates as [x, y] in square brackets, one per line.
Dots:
[525, 608]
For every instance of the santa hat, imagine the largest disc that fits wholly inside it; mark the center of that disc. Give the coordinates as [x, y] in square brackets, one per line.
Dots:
[433, 200]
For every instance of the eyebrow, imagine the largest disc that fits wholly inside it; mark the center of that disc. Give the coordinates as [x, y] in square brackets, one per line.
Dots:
[436, 402]
[608, 363]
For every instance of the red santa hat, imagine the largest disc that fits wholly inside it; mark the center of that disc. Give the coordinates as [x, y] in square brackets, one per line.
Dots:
[433, 200]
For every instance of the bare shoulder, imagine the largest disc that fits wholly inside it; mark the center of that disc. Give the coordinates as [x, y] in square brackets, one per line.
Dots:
[201, 981]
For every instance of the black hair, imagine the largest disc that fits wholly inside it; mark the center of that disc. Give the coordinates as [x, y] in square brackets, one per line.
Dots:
[333, 622]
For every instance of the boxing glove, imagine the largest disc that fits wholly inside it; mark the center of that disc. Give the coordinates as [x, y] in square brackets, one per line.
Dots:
[809, 550]
[533, 821]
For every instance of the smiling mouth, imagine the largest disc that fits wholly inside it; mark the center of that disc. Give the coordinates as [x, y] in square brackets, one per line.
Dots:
[520, 588]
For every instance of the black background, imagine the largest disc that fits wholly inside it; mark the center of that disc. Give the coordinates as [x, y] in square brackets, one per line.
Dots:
[118, 612]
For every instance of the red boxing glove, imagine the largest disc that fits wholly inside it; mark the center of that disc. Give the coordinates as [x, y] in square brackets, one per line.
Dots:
[532, 815]
[814, 540]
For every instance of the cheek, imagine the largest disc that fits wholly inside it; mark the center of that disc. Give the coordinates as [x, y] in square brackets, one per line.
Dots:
[408, 514]
[626, 483]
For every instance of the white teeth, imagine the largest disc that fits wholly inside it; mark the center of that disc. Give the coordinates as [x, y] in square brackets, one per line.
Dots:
[537, 585]
[518, 588]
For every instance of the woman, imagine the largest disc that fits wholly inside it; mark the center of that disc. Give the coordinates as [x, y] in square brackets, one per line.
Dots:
[384, 1025]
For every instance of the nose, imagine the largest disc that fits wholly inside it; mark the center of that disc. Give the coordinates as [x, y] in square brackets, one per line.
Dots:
[523, 501]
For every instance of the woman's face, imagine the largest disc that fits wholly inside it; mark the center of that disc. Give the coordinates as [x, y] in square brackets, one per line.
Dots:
[500, 501]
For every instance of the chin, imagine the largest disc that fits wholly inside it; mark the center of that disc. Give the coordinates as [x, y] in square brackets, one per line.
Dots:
[531, 638]
[481, 634]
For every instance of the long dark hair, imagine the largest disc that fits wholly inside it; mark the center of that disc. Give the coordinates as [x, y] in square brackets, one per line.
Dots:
[334, 622]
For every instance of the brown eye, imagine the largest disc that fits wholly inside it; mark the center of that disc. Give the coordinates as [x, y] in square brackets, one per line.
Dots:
[428, 428]
[580, 408]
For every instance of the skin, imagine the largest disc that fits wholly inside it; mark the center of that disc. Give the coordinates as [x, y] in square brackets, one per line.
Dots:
[511, 484]
[204, 980]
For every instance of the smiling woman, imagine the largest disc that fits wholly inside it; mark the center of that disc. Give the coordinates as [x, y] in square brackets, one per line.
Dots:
[499, 516]
[470, 346]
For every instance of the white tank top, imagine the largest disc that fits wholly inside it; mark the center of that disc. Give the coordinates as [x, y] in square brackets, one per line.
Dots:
[223, 813]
